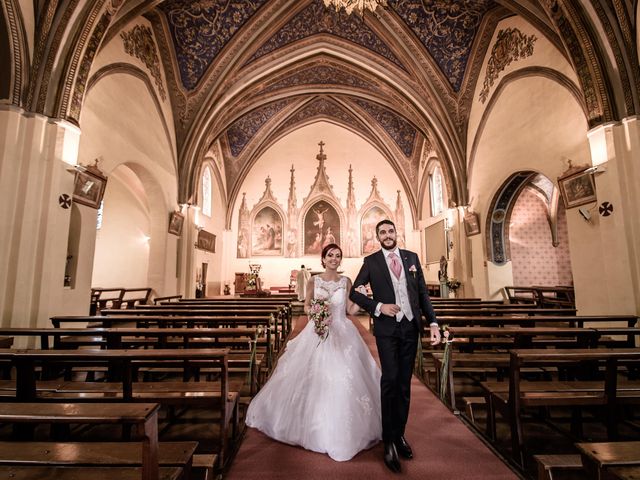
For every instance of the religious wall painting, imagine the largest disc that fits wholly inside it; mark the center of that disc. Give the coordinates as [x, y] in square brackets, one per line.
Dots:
[267, 233]
[577, 188]
[321, 227]
[370, 219]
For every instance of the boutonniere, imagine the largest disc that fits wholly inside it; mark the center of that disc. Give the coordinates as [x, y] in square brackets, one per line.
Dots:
[413, 270]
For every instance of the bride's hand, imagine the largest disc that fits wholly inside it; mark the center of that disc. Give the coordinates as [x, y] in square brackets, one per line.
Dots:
[361, 289]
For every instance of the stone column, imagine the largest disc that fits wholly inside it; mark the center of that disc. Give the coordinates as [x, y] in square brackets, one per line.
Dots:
[606, 251]
[36, 153]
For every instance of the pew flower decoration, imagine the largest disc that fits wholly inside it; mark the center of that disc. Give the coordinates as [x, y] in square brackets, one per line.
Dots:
[447, 340]
[453, 284]
[320, 315]
[413, 270]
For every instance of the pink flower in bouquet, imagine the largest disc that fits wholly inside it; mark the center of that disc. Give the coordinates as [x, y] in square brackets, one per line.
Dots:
[320, 315]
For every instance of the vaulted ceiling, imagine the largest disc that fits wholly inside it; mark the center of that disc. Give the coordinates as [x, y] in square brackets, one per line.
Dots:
[242, 74]
[246, 73]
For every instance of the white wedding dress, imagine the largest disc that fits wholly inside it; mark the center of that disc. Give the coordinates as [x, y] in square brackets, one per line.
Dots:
[323, 395]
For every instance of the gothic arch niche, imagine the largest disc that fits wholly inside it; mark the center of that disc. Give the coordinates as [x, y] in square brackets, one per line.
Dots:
[527, 226]
[266, 229]
[497, 228]
[321, 226]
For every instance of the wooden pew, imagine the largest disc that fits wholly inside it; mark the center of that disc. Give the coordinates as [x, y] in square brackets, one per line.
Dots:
[108, 297]
[277, 320]
[121, 385]
[599, 458]
[471, 310]
[468, 339]
[541, 296]
[95, 454]
[267, 325]
[605, 393]
[166, 299]
[143, 415]
[243, 342]
[522, 337]
[132, 297]
[533, 320]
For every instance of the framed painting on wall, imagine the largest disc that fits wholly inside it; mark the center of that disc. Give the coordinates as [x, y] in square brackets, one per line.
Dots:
[89, 186]
[577, 188]
[176, 219]
[206, 241]
[471, 224]
[267, 233]
[321, 227]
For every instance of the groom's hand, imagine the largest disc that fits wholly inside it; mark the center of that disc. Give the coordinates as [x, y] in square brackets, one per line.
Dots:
[389, 309]
[435, 334]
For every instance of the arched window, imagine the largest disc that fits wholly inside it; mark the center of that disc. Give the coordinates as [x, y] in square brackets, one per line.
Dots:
[436, 192]
[206, 192]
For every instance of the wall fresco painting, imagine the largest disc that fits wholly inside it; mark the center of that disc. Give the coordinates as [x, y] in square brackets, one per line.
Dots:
[368, 229]
[267, 233]
[321, 227]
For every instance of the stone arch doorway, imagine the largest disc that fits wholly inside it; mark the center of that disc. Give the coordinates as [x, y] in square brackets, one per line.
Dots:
[527, 229]
[131, 242]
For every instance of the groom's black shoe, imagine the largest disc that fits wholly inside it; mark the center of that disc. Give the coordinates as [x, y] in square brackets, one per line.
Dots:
[403, 448]
[391, 457]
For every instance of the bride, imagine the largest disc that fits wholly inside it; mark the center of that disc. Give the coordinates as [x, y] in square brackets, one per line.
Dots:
[324, 394]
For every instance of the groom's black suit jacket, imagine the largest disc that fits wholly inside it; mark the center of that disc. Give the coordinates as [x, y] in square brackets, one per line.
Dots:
[375, 272]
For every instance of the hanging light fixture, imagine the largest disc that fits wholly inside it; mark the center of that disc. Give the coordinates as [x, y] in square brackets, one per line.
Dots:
[359, 6]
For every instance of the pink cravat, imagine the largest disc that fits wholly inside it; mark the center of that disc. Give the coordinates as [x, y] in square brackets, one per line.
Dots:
[396, 267]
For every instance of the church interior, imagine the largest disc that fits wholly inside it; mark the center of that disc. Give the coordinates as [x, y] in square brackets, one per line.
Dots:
[177, 159]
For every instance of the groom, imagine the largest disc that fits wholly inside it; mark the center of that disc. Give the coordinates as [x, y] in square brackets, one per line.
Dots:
[399, 300]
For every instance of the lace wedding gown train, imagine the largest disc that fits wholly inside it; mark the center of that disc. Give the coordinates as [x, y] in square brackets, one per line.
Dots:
[323, 395]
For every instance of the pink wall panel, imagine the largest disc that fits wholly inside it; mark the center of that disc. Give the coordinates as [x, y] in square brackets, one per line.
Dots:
[535, 260]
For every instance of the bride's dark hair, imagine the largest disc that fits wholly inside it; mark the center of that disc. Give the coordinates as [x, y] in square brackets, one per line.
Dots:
[326, 250]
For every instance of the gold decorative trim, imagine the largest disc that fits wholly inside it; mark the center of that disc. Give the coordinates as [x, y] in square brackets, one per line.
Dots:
[511, 45]
[139, 43]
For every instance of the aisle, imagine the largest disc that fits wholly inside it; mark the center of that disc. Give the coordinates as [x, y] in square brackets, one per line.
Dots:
[444, 448]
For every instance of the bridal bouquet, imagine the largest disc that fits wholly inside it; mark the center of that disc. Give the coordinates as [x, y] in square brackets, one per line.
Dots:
[320, 315]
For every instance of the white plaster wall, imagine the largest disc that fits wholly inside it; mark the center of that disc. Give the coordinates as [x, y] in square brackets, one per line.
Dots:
[544, 54]
[534, 125]
[300, 149]
[122, 126]
[113, 52]
[215, 225]
[122, 245]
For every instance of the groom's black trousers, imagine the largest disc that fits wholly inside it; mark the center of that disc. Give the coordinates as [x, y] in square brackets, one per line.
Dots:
[397, 354]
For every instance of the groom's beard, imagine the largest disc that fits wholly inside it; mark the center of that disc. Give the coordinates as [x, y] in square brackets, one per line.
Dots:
[389, 246]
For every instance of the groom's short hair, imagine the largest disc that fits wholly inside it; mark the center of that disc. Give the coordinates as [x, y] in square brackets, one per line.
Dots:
[386, 221]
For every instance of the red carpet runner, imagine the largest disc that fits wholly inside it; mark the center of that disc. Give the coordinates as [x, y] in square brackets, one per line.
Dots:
[443, 447]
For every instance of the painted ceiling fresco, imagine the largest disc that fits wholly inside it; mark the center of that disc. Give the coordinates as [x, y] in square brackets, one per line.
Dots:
[402, 132]
[447, 30]
[321, 108]
[319, 75]
[316, 19]
[240, 133]
[201, 29]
